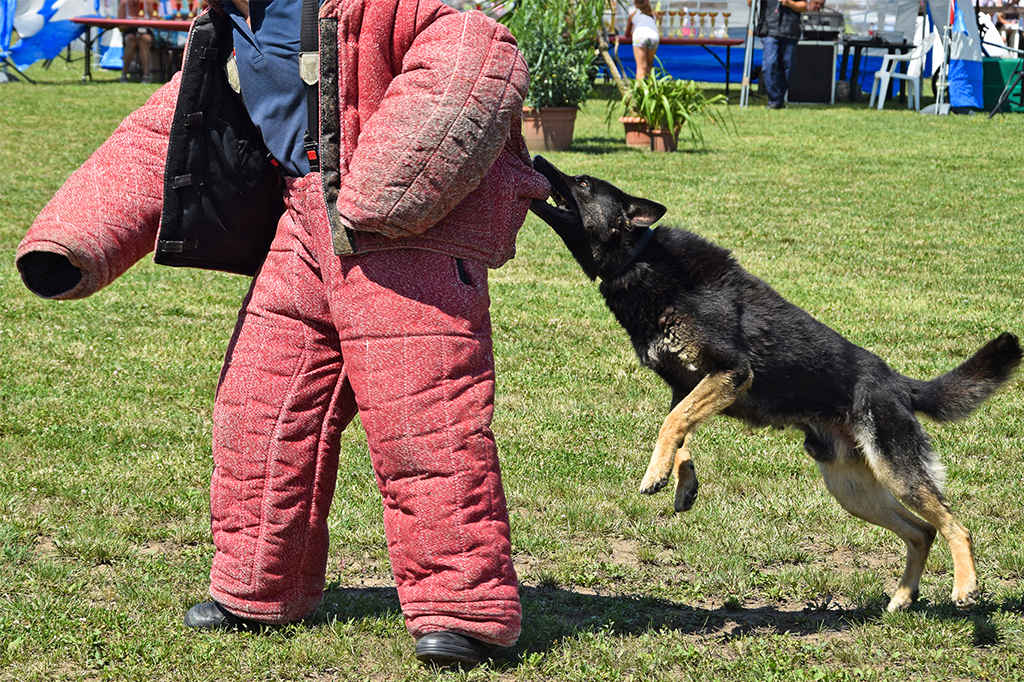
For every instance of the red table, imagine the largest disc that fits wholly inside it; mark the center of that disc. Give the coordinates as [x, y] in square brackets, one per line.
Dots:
[706, 43]
[104, 23]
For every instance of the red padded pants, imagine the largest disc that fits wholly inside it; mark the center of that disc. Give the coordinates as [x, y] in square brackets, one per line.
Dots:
[402, 338]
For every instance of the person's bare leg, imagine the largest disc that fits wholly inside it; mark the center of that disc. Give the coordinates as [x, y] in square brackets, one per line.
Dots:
[643, 64]
[128, 55]
[145, 48]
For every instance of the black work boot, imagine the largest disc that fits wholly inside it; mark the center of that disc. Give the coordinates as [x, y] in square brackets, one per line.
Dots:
[450, 649]
[212, 616]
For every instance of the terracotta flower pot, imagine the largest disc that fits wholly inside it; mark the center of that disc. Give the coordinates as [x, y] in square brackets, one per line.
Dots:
[662, 141]
[636, 132]
[549, 129]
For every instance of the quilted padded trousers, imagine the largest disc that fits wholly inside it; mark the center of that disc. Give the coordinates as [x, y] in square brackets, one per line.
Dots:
[403, 339]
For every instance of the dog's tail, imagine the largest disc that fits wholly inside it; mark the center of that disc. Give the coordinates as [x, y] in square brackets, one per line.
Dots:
[957, 393]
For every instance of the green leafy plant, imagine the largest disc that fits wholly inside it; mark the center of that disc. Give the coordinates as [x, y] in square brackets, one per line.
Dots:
[558, 42]
[666, 103]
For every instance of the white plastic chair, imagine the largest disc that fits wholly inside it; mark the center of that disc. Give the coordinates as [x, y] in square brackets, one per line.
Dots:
[890, 65]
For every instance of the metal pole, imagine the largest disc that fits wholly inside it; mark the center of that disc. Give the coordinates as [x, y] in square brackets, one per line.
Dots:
[943, 70]
[940, 108]
[748, 54]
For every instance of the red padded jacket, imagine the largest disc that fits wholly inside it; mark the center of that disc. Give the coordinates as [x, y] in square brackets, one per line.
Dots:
[421, 147]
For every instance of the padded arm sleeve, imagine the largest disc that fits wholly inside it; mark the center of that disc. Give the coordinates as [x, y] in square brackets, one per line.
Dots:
[105, 217]
[441, 125]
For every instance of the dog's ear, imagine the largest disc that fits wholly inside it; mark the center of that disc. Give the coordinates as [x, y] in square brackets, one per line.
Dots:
[642, 213]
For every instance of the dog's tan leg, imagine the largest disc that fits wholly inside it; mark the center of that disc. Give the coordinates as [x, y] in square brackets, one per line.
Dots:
[926, 500]
[903, 462]
[713, 394]
[965, 578]
[683, 470]
[852, 482]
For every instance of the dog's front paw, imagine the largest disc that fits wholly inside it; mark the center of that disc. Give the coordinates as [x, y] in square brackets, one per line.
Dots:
[966, 598]
[901, 600]
[652, 484]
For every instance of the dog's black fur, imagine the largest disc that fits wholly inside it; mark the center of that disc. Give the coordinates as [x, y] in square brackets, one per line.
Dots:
[725, 341]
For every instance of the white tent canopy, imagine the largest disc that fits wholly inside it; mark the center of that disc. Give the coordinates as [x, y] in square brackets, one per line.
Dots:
[886, 15]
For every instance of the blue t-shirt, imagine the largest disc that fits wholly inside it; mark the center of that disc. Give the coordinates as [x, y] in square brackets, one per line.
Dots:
[267, 56]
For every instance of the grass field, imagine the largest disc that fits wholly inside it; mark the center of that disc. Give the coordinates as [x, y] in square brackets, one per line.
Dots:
[901, 231]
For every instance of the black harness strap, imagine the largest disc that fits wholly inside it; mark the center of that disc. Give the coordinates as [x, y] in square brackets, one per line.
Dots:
[309, 44]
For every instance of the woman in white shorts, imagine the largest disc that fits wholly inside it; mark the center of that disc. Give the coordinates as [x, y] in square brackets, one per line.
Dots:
[642, 27]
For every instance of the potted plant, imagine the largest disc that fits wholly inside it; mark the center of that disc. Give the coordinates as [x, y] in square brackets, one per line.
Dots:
[558, 42]
[661, 105]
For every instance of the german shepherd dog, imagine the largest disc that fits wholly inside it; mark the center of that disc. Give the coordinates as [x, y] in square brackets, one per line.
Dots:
[725, 341]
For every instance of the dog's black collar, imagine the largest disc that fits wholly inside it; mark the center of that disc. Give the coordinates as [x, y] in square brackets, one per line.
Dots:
[622, 265]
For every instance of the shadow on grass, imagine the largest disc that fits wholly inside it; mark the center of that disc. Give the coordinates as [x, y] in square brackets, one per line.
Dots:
[555, 614]
[598, 145]
[552, 614]
[986, 631]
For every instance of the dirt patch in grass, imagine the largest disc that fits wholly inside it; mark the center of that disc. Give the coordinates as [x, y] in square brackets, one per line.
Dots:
[159, 549]
[847, 559]
[45, 548]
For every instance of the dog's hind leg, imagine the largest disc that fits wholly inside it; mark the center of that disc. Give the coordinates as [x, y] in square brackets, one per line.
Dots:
[854, 485]
[671, 454]
[899, 452]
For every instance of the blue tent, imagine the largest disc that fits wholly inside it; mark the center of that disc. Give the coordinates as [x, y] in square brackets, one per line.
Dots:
[44, 28]
[7, 8]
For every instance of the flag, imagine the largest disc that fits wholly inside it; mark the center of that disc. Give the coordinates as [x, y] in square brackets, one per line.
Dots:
[965, 70]
[44, 28]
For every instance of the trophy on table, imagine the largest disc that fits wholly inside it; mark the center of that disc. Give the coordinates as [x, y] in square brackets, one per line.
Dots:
[703, 15]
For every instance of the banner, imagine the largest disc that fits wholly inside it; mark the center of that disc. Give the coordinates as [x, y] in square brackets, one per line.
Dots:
[44, 28]
[965, 74]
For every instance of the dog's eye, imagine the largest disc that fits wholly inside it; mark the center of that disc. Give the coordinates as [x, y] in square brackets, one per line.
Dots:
[584, 184]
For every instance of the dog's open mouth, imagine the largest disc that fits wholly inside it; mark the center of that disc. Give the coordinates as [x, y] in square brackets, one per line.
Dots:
[560, 205]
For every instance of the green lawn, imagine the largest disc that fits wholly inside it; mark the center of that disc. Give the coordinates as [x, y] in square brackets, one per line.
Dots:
[901, 231]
